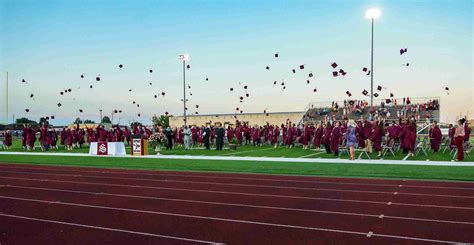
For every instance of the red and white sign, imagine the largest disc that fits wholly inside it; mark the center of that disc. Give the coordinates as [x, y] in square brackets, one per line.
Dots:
[102, 148]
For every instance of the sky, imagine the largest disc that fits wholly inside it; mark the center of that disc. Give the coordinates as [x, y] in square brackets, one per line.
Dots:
[51, 43]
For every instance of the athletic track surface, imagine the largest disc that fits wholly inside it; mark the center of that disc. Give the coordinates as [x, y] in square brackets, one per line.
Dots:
[73, 205]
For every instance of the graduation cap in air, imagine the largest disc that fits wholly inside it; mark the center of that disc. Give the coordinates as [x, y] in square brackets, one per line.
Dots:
[52, 117]
[241, 97]
[376, 95]
[207, 79]
[315, 90]
[32, 95]
[188, 66]
[301, 67]
[365, 92]
[241, 112]
[379, 88]
[237, 108]
[446, 88]
[130, 90]
[97, 78]
[368, 73]
[120, 111]
[59, 104]
[166, 113]
[342, 72]
[334, 65]
[348, 93]
[310, 74]
[197, 106]
[231, 89]
[120, 66]
[267, 114]
[282, 84]
[69, 90]
[156, 96]
[365, 69]
[407, 64]
[82, 76]
[284, 87]
[267, 67]
[150, 83]
[351, 102]
[163, 93]
[23, 81]
[402, 51]
[47, 118]
[61, 93]
[115, 111]
[294, 71]
[138, 115]
[80, 110]
[185, 108]
[307, 81]
[133, 102]
[27, 110]
[388, 101]
[264, 111]
[138, 105]
[196, 113]
[274, 82]
[245, 87]
[391, 95]
[189, 86]
[335, 74]
[190, 94]
[276, 55]
[90, 86]
[247, 94]
[151, 71]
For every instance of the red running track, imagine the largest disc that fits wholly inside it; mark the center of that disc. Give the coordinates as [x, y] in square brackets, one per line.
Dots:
[58, 205]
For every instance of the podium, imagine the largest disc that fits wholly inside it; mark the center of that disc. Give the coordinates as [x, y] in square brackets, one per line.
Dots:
[139, 145]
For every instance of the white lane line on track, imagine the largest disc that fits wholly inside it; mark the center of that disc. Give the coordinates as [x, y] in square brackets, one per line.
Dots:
[161, 174]
[106, 229]
[237, 193]
[239, 205]
[226, 220]
[240, 185]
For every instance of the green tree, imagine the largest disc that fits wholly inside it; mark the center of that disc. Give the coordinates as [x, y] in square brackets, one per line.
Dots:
[106, 119]
[23, 120]
[77, 121]
[88, 121]
[162, 120]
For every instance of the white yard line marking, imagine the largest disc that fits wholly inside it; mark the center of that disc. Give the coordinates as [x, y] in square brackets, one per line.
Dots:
[262, 159]
[236, 204]
[225, 220]
[240, 185]
[239, 152]
[237, 193]
[161, 174]
[105, 228]
[314, 154]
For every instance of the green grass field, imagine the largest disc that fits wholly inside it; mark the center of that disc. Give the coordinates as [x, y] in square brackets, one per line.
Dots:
[290, 168]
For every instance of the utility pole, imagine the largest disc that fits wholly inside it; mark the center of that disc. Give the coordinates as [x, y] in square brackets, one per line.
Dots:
[6, 102]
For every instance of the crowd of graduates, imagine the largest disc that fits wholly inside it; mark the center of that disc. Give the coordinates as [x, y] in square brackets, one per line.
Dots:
[329, 134]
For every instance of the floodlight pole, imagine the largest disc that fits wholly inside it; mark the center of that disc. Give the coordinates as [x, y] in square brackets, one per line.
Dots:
[372, 68]
[184, 91]
[6, 101]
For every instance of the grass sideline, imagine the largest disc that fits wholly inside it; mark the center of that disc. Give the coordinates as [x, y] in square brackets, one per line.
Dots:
[263, 151]
[447, 173]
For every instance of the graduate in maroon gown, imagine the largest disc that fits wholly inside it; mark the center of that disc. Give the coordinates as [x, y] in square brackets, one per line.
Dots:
[275, 135]
[8, 140]
[467, 131]
[54, 139]
[318, 134]
[255, 132]
[127, 135]
[359, 130]
[459, 135]
[410, 137]
[68, 139]
[31, 138]
[366, 131]
[326, 139]
[290, 138]
[23, 136]
[284, 132]
[403, 134]
[435, 136]
[451, 131]
[230, 134]
[335, 138]
[306, 136]
[376, 137]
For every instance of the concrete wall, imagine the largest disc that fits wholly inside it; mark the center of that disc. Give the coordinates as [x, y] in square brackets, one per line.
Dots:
[276, 118]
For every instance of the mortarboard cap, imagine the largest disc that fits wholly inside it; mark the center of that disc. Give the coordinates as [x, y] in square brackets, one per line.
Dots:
[301, 67]
[120, 66]
[59, 104]
[365, 92]
[276, 55]
[151, 71]
[310, 74]
[188, 66]
[376, 95]
[379, 88]
[294, 71]
[97, 78]
[391, 95]
[80, 110]
[27, 110]
[365, 69]
[335, 74]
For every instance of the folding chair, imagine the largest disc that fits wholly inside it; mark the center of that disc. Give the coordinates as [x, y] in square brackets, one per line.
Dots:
[389, 147]
[420, 147]
[467, 148]
[362, 151]
[343, 148]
